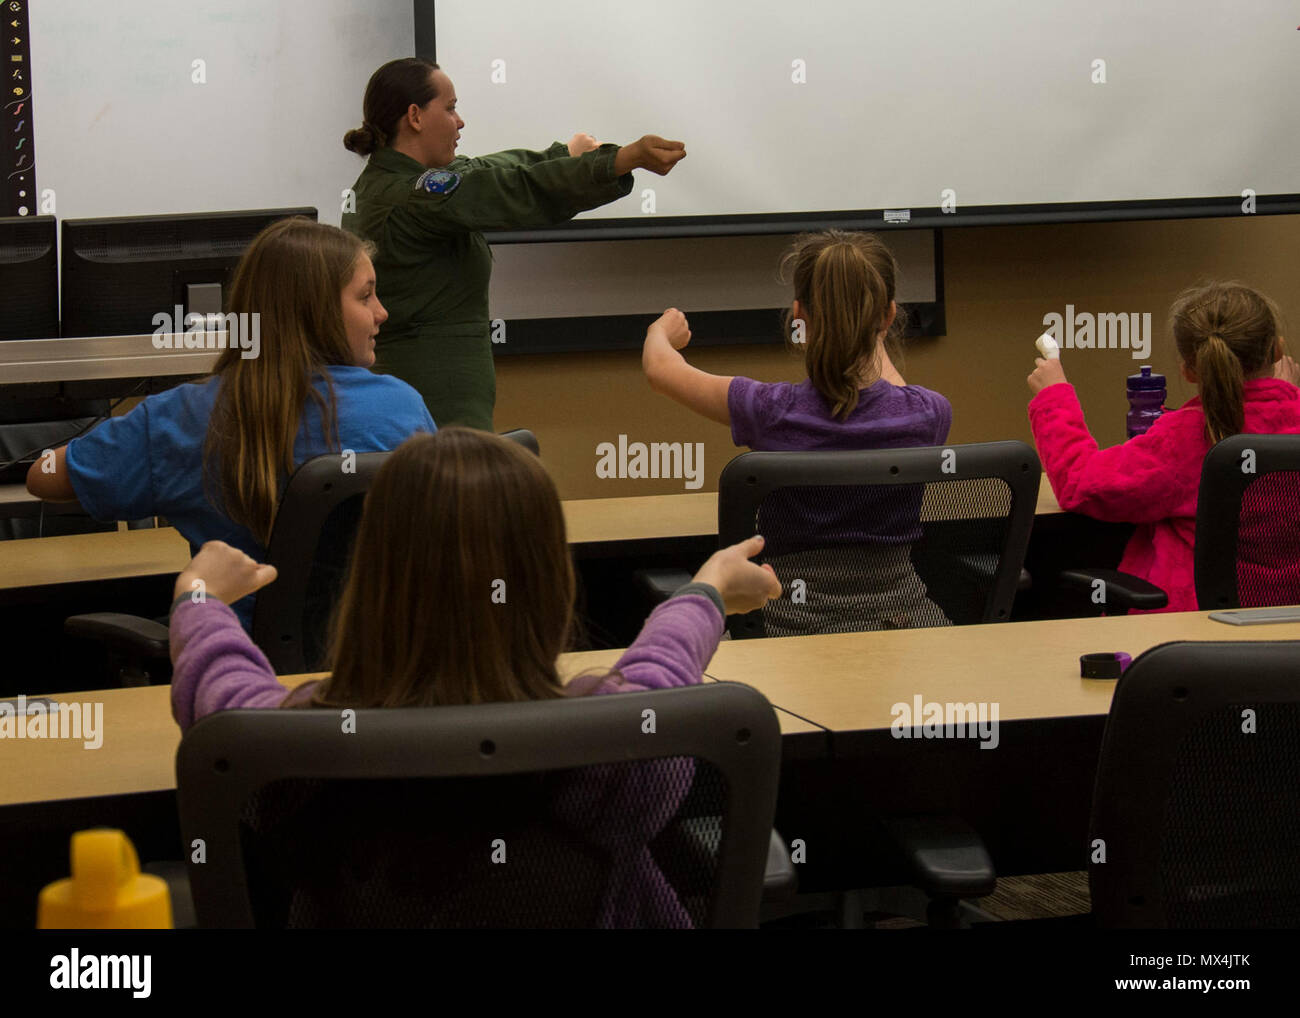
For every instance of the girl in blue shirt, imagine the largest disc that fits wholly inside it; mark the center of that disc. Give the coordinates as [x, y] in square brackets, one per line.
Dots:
[214, 456]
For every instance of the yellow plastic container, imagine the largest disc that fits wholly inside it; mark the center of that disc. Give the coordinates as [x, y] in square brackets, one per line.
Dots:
[106, 891]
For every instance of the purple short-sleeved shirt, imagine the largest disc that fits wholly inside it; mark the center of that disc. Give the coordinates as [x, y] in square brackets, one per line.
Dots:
[788, 417]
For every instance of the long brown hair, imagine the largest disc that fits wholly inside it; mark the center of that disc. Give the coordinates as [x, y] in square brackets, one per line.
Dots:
[1224, 332]
[391, 91]
[292, 276]
[845, 283]
[461, 587]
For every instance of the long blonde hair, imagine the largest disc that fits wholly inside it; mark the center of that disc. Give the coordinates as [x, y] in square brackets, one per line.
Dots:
[845, 283]
[1224, 331]
[461, 587]
[292, 276]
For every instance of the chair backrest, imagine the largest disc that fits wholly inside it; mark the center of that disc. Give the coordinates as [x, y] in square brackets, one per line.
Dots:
[1247, 524]
[628, 809]
[525, 438]
[1197, 800]
[311, 543]
[310, 547]
[888, 538]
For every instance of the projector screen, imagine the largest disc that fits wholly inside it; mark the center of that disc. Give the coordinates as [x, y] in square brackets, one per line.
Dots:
[942, 112]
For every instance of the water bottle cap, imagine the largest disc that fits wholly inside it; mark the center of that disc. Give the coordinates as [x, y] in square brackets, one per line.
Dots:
[106, 891]
[1146, 381]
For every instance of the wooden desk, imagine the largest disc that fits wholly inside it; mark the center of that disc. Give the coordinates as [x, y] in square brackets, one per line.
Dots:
[138, 753]
[841, 683]
[1047, 504]
[1028, 797]
[83, 558]
[16, 494]
[850, 682]
[16, 503]
[648, 517]
[617, 519]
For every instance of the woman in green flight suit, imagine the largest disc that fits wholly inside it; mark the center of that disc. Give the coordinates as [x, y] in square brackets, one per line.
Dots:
[424, 207]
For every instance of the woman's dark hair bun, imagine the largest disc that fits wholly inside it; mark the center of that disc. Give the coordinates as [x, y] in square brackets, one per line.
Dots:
[361, 141]
[391, 91]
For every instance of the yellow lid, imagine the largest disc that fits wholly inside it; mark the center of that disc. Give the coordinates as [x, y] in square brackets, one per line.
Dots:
[106, 891]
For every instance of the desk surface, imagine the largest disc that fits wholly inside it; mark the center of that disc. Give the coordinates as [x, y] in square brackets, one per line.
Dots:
[16, 494]
[851, 682]
[83, 558]
[845, 683]
[139, 740]
[596, 516]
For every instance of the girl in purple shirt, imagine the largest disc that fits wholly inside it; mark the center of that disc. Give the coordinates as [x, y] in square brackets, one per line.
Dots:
[852, 550]
[461, 591]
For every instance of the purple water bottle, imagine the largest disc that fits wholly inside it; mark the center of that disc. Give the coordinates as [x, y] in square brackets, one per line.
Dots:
[1146, 400]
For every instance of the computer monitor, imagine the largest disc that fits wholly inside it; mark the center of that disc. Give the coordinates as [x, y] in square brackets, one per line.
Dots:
[119, 273]
[29, 278]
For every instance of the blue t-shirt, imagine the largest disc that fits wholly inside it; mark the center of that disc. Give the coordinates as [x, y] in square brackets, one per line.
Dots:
[149, 462]
[786, 417]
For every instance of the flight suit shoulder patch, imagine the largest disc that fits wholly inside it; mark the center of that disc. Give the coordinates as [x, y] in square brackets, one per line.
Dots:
[437, 181]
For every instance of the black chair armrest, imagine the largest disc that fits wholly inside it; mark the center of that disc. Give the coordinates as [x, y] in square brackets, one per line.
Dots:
[982, 567]
[1122, 591]
[174, 872]
[779, 880]
[947, 858]
[525, 438]
[129, 635]
[661, 584]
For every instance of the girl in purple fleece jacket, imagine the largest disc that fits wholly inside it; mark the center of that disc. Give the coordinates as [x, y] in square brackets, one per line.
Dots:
[461, 591]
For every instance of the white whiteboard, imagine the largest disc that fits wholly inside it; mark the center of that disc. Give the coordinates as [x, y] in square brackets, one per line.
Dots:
[903, 99]
[121, 128]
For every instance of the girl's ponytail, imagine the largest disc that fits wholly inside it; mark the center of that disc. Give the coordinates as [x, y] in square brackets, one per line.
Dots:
[845, 284]
[1223, 394]
[1225, 332]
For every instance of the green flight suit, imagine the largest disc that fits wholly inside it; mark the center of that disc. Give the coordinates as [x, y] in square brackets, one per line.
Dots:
[433, 264]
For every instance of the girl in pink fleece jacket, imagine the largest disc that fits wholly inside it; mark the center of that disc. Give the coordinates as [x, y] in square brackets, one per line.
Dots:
[1229, 344]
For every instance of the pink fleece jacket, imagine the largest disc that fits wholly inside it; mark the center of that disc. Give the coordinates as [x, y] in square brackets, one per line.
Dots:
[1151, 480]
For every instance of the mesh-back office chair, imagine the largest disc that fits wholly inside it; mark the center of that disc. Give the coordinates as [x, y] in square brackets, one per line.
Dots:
[310, 545]
[1197, 800]
[883, 539]
[558, 813]
[1248, 523]
[1247, 552]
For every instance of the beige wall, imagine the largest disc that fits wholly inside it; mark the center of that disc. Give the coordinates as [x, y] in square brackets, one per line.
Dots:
[999, 282]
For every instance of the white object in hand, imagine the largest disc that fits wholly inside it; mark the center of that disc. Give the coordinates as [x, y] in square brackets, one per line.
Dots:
[1048, 347]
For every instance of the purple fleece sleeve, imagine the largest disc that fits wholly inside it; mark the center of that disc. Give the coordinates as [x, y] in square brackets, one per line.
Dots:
[215, 666]
[673, 648]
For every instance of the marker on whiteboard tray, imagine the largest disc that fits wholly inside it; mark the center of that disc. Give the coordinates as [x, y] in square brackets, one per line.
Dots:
[1048, 347]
